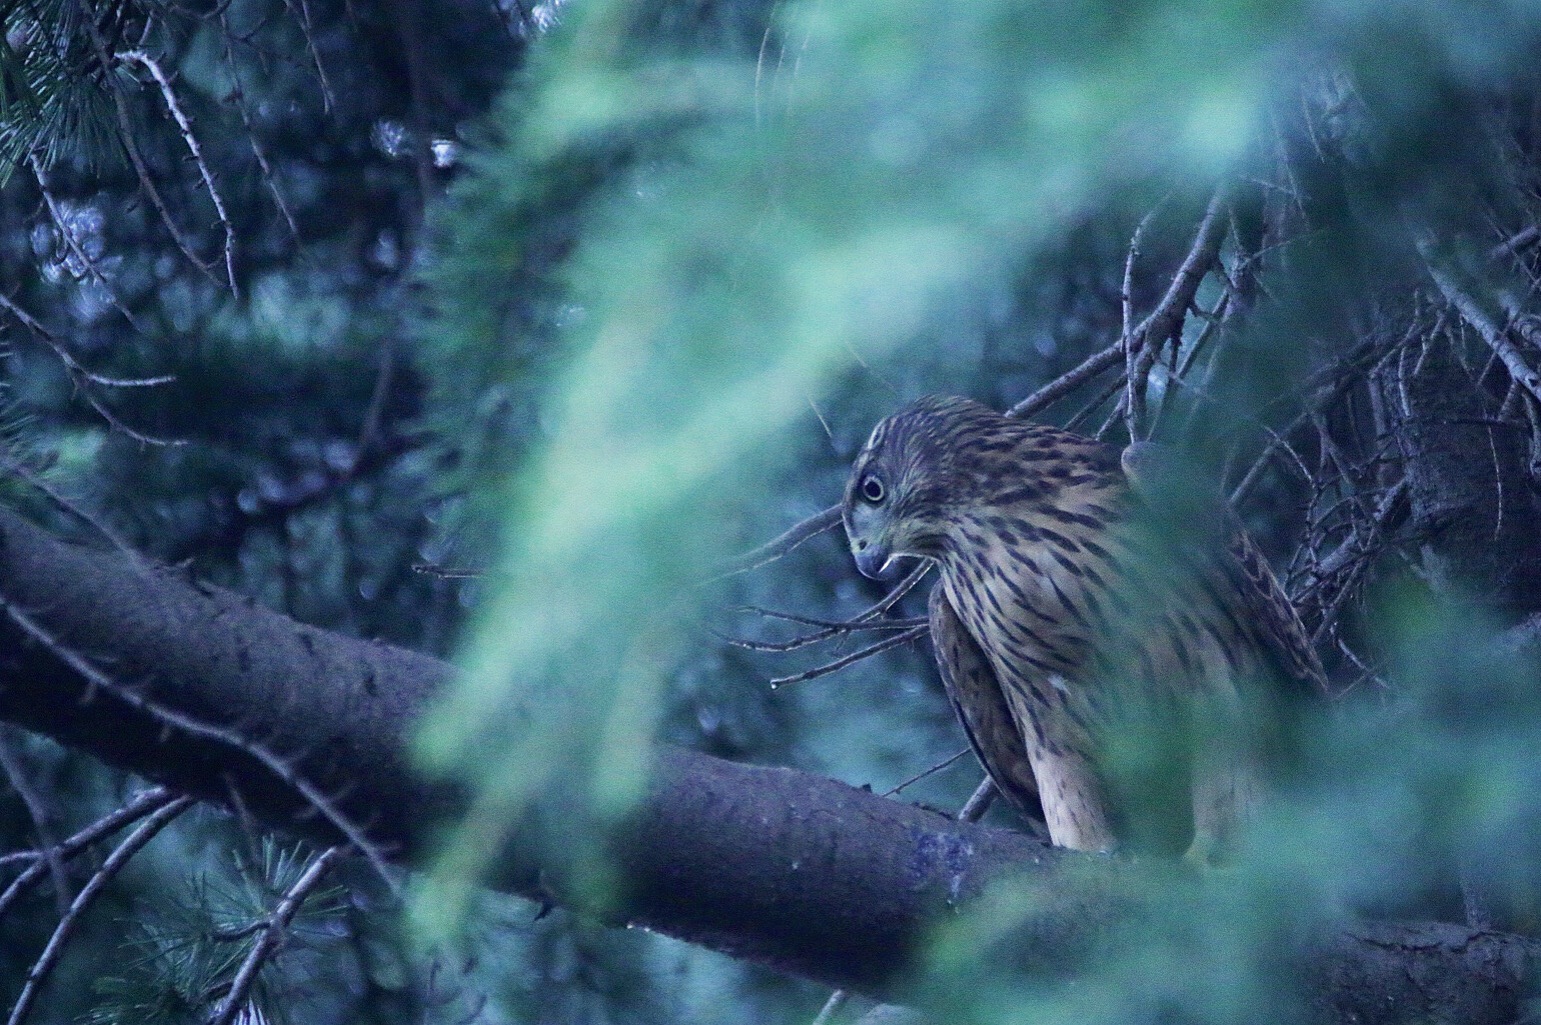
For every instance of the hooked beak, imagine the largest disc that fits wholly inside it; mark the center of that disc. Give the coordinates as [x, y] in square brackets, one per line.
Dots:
[874, 560]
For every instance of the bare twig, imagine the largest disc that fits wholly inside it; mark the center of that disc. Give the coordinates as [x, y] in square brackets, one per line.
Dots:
[238, 94]
[1482, 321]
[1069, 381]
[933, 770]
[830, 628]
[1345, 565]
[1166, 321]
[274, 929]
[1323, 389]
[780, 546]
[73, 365]
[114, 864]
[1126, 296]
[914, 633]
[69, 506]
[37, 810]
[899, 590]
[138, 808]
[84, 378]
[867, 619]
[127, 131]
[328, 101]
[67, 233]
[191, 142]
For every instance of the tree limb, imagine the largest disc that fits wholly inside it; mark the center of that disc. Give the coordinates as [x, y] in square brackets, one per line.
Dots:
[801, 873]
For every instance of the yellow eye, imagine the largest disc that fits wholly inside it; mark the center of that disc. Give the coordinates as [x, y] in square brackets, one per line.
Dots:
[872, 489]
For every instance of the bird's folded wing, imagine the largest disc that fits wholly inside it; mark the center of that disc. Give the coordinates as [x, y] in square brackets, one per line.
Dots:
[981, 707]
[1277, 620]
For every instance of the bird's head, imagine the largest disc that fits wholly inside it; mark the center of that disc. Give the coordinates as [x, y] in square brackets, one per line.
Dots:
[943, 472]
[905, 488]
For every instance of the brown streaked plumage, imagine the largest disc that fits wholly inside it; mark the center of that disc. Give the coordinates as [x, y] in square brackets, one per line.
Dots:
[1113, 654]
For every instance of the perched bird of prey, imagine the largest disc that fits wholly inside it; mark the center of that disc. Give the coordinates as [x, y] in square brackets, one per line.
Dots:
[1117, 650]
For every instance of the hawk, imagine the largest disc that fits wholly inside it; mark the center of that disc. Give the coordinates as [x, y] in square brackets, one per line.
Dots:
[1117, 650]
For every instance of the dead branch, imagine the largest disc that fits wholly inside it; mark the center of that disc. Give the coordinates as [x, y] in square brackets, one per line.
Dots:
[143, 804]
[127, 132]
[195, 151]
[779, 546]
[1165, 322]
[84, 379]
[67, 235]
[1485, 323]
[912, 634]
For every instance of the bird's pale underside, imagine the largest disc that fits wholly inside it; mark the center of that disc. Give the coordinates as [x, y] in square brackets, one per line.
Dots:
[1116, 650]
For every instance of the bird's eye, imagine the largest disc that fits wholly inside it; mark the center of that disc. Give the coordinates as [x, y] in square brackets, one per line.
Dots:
[872, 489]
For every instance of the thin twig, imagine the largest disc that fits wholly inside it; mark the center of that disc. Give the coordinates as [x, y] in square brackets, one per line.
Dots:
[328, 101]
[779, 546]
[127, 131]
[1325, 387]
[1069, 381]
[869, 618]
[915, 633]
[1166, 320]
[1213, 321]
[74, 366]
[44, 965]
[861, 621]
[61, 222]
[84, 378]
[70, 507]
[938, 767]
[1126, 294]
[238, 94]
[191, 142]
[274, 931]
[829, 629]
[37, 810]
[138, 808]
[1486, 325]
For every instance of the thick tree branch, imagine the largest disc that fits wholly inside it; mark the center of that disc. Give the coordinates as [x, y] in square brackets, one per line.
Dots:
[789, 869]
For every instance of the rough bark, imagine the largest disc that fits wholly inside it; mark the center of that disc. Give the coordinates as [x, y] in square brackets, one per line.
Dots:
[792, 870]
[1474, 502]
